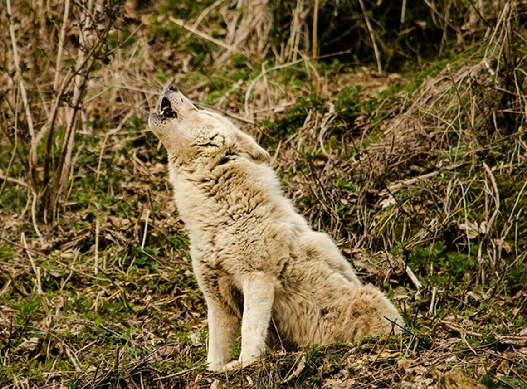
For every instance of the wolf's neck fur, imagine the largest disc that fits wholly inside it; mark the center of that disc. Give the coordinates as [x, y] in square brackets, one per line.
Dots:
[232, 193]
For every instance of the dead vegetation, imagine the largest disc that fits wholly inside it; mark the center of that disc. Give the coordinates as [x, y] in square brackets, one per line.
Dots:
[419, 176]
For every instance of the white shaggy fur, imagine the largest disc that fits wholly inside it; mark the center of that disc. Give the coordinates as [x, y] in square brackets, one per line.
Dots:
[256, 259]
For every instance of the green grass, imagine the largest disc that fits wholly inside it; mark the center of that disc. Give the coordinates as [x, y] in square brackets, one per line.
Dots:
[138, 319]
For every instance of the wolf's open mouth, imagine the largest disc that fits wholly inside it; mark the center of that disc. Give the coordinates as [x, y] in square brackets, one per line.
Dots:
[166, 109]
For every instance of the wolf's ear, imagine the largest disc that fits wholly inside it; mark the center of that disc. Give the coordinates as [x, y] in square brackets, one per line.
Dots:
[246, 146]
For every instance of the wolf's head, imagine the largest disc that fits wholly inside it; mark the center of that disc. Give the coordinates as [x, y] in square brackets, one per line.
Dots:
[190, 134]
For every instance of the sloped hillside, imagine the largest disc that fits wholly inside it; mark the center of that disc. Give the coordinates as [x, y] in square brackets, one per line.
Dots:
[399, 129]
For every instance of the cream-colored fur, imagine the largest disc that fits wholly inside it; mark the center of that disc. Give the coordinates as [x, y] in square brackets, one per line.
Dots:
[256, 259]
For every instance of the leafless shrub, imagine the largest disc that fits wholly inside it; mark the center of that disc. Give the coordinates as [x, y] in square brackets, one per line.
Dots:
[54, 50]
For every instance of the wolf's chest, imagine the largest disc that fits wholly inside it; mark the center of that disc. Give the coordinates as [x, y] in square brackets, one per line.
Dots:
[216, 283]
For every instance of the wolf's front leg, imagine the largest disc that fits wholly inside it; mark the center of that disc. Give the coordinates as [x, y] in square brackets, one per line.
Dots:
[258, 298]
[223, 331]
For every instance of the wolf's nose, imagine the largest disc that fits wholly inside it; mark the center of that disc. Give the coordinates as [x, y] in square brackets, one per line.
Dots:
[172, 88]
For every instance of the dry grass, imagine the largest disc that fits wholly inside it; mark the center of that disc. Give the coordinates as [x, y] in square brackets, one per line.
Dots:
[424, 192]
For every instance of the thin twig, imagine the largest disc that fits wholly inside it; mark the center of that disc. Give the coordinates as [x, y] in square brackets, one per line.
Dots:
[403, 12]
[300, 366]
[372, 37]
[278, 67]
[176, 374]
[96, 267]
[440, 15]
[143, 242]
[181, 23]
[32, 262]
[496, 197]
[315, 32]
[203, 15]
[33, 152]
[6, 176]
[432, 309]
[413, 277]
[34, 217]
[58, 69]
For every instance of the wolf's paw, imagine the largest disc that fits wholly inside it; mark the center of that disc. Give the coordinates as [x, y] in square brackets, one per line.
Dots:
[233, 365]
[215, 367]
[238, 364]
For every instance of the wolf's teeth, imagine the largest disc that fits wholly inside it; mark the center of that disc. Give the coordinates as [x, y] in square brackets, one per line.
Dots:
[165, 105]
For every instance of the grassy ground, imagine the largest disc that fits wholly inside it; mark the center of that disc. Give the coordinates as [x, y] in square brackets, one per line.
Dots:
[419, 176]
